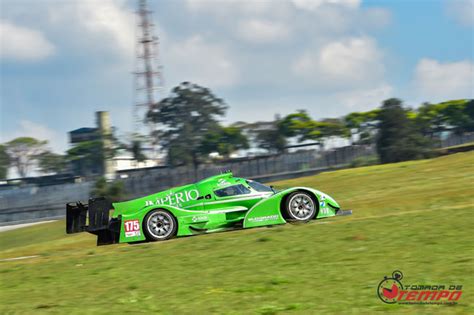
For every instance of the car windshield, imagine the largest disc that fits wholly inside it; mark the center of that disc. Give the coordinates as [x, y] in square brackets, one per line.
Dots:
[232, 191]
[259, 187]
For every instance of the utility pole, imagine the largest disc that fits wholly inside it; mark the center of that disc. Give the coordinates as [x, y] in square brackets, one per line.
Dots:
[148, 74]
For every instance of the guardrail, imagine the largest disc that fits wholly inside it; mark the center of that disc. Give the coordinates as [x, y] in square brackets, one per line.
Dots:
[31, 214]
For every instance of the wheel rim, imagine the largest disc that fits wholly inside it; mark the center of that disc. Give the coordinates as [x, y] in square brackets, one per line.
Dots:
[301, 207]
[160, 224]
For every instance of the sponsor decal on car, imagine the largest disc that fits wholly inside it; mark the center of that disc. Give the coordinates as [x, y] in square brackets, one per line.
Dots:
[325, 211]
[132, 228]
[265, 218]
[323, 201]
[174, 199]
[199, 218]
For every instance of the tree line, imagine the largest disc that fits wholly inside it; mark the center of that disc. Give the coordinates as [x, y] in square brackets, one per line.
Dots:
[27, 153]
[189, 130]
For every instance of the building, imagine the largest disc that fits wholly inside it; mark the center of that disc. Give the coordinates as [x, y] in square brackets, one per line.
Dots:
[93, 162]
[122, 160]
[83, 134]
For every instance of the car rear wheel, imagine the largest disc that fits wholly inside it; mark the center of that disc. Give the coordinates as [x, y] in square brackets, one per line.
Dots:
[300, 206]
[160, 225]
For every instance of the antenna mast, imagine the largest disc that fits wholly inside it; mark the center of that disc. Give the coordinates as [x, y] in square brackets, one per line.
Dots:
[148, 77]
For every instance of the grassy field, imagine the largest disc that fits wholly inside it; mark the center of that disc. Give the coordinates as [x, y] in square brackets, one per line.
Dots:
[414, 216]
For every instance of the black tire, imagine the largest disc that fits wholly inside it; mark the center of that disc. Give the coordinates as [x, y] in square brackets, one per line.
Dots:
[159, 225]
[300, 206]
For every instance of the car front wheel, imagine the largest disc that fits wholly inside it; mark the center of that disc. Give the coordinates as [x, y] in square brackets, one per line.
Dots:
[300, 206]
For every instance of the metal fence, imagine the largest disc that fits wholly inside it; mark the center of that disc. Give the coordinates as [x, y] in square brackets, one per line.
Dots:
[33, 203]
[454, 139]
[143, 182]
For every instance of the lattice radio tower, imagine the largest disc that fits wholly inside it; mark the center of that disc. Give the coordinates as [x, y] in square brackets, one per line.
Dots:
[148, 71]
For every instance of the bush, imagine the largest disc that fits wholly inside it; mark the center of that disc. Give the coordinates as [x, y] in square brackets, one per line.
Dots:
[398, 138]
[365, 161]
[112, 191]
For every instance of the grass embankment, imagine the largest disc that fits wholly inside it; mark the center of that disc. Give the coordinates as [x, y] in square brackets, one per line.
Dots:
[414, 216]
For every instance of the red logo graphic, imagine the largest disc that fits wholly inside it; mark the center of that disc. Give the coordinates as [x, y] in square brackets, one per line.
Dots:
[132, 228]
[390, 293]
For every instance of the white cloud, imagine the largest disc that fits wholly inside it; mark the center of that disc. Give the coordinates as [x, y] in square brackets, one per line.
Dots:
[462, 11]
[26, 128]
[77, 28]
[375, 18]
[108, 24]
[321, 33]
[350, 62]
[22, 43]
[315, 17]
[111, 18]
[219, 7]
[262, 31]
[436, 81]
[312, 5]
[364, 99]
[200, 62]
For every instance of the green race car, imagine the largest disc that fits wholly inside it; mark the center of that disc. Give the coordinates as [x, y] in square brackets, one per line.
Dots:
[217, 203]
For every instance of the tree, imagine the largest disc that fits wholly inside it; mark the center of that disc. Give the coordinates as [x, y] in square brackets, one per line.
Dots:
[456, 116]
[333, 127]
[135, 147]
[24, 152]
[187, 116]
[468, 111]
[459, 115]
[303, 127]
[398, 139]
[50, 162]
[362, 125]
[225, 141]
[111, 191]
[430, 120]
[4, 162]
[137, 151]
[271, 140]
[88, 157]
[299, 125]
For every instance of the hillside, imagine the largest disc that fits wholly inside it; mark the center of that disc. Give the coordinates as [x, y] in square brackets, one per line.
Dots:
[413, 216]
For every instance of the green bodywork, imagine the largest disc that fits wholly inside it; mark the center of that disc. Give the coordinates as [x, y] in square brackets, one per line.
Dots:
[198, 209]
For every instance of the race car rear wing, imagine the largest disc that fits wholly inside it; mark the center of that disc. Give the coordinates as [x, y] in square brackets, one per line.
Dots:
[93, 217]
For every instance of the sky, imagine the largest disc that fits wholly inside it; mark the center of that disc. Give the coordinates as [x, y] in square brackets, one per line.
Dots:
[62, 60]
